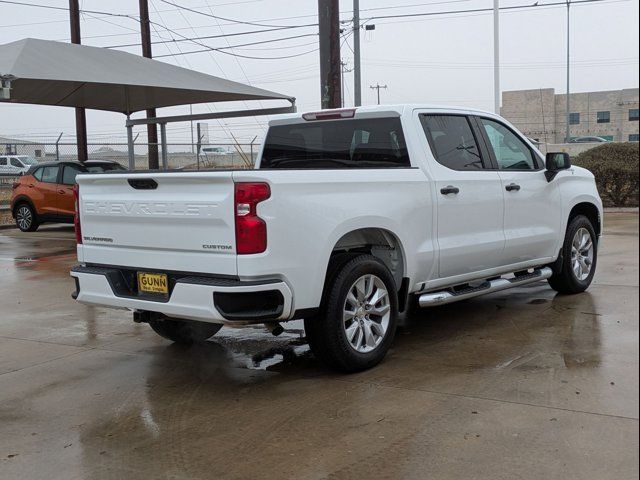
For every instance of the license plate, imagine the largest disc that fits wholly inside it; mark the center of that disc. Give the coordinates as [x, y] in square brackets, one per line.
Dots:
[153, 283]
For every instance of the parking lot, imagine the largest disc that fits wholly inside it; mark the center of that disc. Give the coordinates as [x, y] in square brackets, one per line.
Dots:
[519, 383]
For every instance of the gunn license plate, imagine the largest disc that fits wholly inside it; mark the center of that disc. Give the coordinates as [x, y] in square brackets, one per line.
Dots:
[153, 283]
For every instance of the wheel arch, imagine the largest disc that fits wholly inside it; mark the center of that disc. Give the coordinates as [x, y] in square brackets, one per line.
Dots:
[19, 200]
[589, 210]
[379, 242]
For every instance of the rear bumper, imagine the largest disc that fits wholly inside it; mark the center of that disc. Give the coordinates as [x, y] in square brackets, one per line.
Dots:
[206, 299]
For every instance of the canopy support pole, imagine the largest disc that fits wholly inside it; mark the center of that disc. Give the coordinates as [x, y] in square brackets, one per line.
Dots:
[163, 140]
[132, 161]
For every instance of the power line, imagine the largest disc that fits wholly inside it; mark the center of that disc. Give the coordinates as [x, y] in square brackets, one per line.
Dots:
[213, 49]
[479, 10]
[206, 37]
[248, 44]
[65, 9]
[211, 15]
[380, 17]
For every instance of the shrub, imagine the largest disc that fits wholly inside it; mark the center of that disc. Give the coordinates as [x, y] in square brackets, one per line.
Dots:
[615, 166]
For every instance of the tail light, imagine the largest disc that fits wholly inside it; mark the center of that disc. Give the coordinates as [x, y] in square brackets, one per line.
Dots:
[251, 230]
[76, 218]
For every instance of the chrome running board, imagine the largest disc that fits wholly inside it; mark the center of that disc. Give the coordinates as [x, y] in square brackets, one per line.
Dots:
[443, 297]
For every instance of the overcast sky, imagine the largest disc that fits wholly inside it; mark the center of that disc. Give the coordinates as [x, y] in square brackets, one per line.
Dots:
[444, 59]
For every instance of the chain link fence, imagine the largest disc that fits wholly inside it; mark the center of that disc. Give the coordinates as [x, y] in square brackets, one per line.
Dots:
[185, 156]
[181, 156]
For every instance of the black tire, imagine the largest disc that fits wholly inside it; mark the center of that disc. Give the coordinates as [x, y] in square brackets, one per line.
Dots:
[182, 331]
[566, 280]
[326, 332]
[26, 218]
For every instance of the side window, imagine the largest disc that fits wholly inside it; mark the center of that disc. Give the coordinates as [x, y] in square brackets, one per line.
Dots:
[49, 175]
[452, 141]
[511, 152]
[3, 162]
[16, 163]
[69, 174]
[38, 174]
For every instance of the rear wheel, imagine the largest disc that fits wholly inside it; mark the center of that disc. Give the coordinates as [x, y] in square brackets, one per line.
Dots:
[26, 218]
[580, 256]
[359, 316]
[182, 331]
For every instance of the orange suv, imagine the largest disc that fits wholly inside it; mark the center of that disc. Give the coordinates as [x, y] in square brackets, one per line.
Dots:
[45, 192]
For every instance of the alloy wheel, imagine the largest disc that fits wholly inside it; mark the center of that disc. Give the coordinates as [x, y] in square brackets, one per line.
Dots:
[24, 217]
[582, 251]
[366, 313]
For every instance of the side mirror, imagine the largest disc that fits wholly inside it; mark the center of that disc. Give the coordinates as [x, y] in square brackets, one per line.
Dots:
[556, 162]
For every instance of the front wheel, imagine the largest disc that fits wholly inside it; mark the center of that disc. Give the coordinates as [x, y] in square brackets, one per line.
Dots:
[580, 256]
[359, 316]
[182, 331]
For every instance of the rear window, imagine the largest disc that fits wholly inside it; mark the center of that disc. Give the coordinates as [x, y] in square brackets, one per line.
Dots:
[69, 174]
[367, 143]
[38, 173]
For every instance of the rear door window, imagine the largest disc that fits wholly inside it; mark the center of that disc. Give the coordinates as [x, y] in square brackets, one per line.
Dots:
[16, 163]
[366, 143]
[50, 174]
[452, 141]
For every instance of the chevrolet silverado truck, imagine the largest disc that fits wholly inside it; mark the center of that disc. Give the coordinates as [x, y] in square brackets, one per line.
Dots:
[349, 218]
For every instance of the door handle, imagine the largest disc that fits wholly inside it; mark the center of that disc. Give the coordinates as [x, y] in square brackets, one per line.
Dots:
[62, 192]
[512, 187]
[449, 189]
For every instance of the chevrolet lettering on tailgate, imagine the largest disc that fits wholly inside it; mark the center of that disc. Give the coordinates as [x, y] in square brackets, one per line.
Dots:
[158, 209]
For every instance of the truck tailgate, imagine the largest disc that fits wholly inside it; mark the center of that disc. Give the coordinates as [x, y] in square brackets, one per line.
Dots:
[163, 221]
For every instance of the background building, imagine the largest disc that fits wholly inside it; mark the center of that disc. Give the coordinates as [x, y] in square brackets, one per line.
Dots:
[12, 146]
[541, 114]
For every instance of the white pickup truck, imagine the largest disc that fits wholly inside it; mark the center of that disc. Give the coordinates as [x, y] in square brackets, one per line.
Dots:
[349, 218]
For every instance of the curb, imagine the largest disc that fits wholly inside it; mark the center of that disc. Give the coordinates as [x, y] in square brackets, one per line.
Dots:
[621, 210]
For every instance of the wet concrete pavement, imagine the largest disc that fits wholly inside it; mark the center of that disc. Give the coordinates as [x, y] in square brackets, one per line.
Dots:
[518, 384]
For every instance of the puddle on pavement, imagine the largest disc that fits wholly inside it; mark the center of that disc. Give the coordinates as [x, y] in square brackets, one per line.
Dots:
[255, 348]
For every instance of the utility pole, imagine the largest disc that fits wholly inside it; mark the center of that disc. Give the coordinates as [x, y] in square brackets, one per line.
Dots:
[344, 70]
[377, 87]
[329, 30]
[152, 131]
[81, 119]
[357, 85]
[496, 56]
[568, 132]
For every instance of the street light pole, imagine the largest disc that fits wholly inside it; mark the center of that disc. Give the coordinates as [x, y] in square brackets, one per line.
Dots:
[568, 132]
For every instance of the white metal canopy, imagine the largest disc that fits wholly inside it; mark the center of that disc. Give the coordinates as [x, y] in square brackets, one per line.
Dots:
[45, 72]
